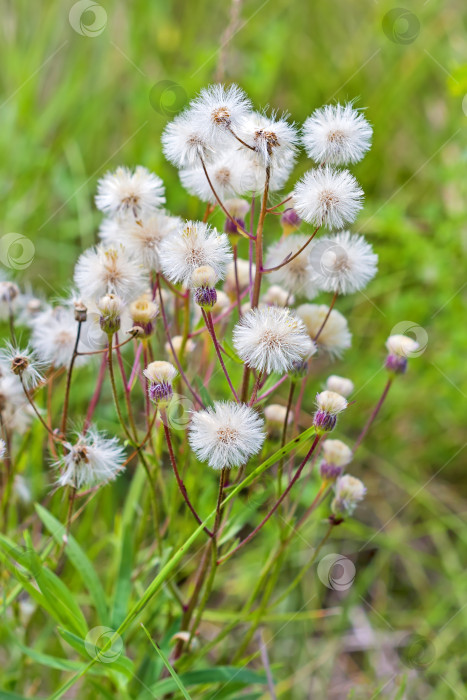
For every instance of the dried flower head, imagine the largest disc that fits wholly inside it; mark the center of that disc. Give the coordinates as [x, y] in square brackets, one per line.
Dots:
[226, 434]
[342, 263]
[328, 197]
[24, 363]
[297, 275]
[194, 245]
[335, 336]
[102, 270]
[329, 405]
[143, 313]
[349, 491]
[160, 375]
[92, 459]
[336, 134]
[272, 339]
[130, 193]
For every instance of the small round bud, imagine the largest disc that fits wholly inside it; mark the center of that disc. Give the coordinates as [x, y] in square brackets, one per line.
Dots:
[329, 405]
[299, 369]
[336, 455]
[143, 312]
[81, 311]
[329, 472]
[275, 417]
[160, 375]
[137, 332]
[277, 296]
[19, 364]
[110, 307]
[349, 491]
[203, 276]
[290, 221]
[340, 385]
[400, 347]
[237, 207]
[8, 291]
[232, 227]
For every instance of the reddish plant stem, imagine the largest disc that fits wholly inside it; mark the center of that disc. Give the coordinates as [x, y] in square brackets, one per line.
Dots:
[134, 369]
[290, 257]
[180, 483]
[272, 389]
[331, 306]
[229, 216]
[374, 414]
[177, 361]
[259, 242]
[68, 379]
[276, 206]
[221, 316]
[275, 506]
[209, 325]
[97, 392]
[237, 285]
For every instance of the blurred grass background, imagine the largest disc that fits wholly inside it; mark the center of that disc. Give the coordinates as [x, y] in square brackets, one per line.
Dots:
[73, 106]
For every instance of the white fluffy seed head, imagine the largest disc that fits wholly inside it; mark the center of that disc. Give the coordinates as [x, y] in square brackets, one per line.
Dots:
[184, 143]
[296, 276]
[129, 193]
[328, 197]
[336, 134]
[218, 110]
[349, 491]
[277, 296]
[342, 263]
[337, 453]
[110, 305]
[226, 434]
[335, 336]
[243, 274]
[109, 270]
[401, 345]
[272, 339]
[275, 415]
[160, 371]
[92, 459]
[273, 138]
[141, 239]
[341, 385]
[331, 402]
[24, 363]
[194, 245]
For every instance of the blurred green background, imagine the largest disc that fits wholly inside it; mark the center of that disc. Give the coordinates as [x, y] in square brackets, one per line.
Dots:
[73, 106]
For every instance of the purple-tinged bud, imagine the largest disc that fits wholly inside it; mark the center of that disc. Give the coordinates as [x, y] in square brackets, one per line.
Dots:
[400, 347]
[324, 421]
[143, 313]
[160, 375]
[110, 307]
[329, 405]
[203, 280]
[396, 364]
[205, 297]
[160, 393]
[231, 228]
[290, 221]
[330, 472]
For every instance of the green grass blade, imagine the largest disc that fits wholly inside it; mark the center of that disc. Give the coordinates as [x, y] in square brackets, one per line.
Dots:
[168, 666]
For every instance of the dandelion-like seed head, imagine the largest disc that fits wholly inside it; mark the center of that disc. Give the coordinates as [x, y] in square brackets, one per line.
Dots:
[328, 197]
[109, 270]
[92, 459]
[24, 363]
[341, 385]
[273, 138]
[272, 339]
[130, 193]
[226, 434]
[335, 336]
[342, 263]
[337, 135]
[297, 275]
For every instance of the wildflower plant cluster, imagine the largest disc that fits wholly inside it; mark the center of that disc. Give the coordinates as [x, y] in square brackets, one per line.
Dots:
[208, 340]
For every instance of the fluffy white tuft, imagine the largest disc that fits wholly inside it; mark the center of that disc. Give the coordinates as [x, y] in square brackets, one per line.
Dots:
[328, 197]
[272, 339]
[335, 336]
[130, 193]
[109, 270]
[296, 276]
[343, 263]
[92, 459]
[336, 134]
[273, 138]
[226, 434]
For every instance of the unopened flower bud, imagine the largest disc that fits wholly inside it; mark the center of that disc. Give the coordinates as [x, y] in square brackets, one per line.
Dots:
[277, 296]
[349, 491]
[400, 347]
[290, 221]
[336, 455]
[203, 282]
[275, 417]
[143, 313]
[329, 405]
[110, 307]
[160, 375]
[299, 369]
[81, 311]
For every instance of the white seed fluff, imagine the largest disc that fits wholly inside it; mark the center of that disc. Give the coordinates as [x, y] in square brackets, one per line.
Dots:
[92, 459]
[401, 345]
[335, 336]
[226, 434]
[272, 339]
[336, 452]
[24, 363]
[219, 109]
[195, 244]
[342, 263]
[130, 193]
[109, 270]
[296, 276]
[336, 134]
[184, 143]
[229, 174]
[54, 336]
[349, 492]
[331, 402]
[341, 385]
[273, 138]
[328, 197]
